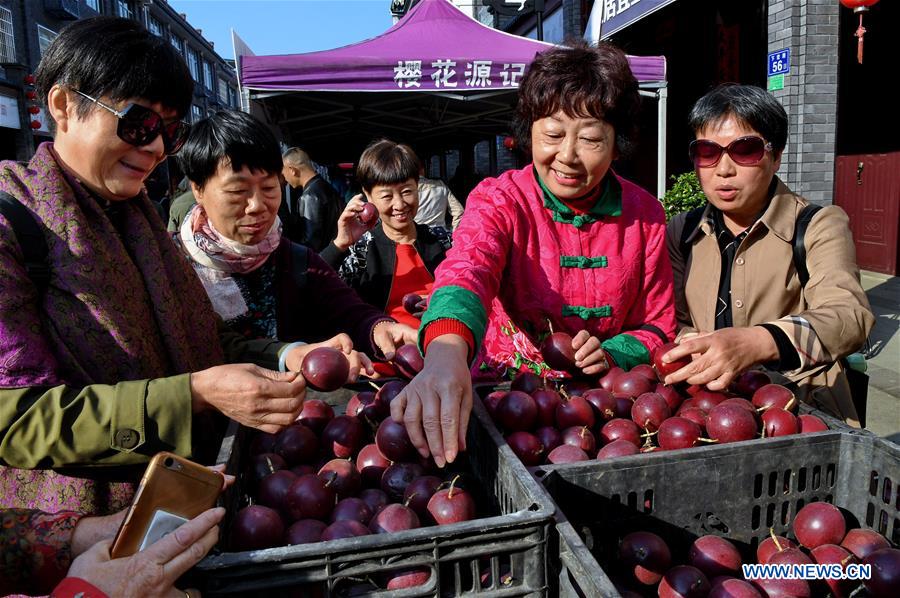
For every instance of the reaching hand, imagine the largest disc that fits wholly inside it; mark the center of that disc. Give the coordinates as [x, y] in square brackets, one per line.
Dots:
[437, 404]
[154, 570]
[589, 355]
[390, 335]
[718, 357]
[359, 362]
[251, 395]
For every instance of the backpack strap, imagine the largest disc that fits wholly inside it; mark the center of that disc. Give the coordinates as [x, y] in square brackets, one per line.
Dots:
[31, 240]
[803, 220]
[691, 222]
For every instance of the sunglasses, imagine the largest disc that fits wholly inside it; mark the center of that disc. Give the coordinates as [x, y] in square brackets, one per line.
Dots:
[139, 125]
[745, 151]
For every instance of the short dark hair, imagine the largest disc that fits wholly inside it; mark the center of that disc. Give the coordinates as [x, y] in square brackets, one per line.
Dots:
[387, 162]
[116, 58]
[297, 157]
[580, 80]
[751, 106]
[236, 136]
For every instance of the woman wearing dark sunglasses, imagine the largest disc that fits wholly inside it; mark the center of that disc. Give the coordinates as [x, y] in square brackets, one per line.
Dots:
[119, 355]
[739, 298]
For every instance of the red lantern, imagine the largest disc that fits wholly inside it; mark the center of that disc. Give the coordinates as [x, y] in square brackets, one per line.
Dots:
[31, 95]
[29, 79]
[35, 124]
[861, 7]
[509, 142]
[33, 110]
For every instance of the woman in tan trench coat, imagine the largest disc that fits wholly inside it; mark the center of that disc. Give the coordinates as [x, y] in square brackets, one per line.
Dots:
[740, 302]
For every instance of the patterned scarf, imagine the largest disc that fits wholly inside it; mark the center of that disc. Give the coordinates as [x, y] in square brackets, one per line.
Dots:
[215, 258]
[122, 304]
[211, 248]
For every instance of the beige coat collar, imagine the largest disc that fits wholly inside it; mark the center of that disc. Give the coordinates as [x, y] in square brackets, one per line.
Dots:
[780, 217]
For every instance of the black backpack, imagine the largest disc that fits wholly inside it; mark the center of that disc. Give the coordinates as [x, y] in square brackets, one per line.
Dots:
[692, 221]
[859, 381]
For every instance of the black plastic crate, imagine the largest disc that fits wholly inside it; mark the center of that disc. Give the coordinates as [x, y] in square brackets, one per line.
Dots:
[574, 571]
[514, 539]
[737, 491]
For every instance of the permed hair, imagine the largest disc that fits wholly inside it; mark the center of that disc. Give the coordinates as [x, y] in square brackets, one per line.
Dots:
[580, 80]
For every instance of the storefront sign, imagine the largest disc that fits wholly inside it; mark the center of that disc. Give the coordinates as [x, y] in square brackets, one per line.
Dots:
[453, 74]
[779, 62]
[610, 16]
[9, 112]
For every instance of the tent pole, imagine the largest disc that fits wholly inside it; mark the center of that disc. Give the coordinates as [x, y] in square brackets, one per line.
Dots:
[539, 14]
[662, 95]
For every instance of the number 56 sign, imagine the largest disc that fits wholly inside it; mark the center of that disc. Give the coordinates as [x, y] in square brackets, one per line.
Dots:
[779, 62]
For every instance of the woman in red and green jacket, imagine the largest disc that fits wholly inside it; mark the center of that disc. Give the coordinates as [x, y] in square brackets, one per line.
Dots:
[562, 242]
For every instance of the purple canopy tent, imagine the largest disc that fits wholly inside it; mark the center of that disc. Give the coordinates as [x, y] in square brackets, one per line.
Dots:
[437, 76]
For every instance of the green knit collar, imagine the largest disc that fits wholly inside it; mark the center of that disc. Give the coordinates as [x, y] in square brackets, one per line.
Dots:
[608, 204]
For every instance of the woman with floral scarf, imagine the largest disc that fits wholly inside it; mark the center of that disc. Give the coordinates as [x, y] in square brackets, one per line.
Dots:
[259, 282]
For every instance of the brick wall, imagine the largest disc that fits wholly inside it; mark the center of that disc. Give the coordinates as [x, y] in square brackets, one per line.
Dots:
[810, 29]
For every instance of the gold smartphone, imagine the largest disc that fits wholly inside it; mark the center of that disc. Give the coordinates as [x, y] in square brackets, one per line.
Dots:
[172, 491]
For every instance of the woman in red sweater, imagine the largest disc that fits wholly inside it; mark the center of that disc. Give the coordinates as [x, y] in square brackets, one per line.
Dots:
[397, 256]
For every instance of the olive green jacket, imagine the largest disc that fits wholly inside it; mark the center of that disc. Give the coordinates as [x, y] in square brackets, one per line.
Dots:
[105, 425]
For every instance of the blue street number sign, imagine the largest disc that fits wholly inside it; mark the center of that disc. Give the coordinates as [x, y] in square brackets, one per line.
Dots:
[779, 62]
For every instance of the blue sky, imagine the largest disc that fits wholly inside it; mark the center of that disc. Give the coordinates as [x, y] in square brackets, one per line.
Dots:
[286, 26]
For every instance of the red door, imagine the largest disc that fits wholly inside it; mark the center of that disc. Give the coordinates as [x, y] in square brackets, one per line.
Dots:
[867, 187]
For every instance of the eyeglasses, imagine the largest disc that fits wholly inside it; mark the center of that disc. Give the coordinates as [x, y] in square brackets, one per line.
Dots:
[745, 151]
[139, 125]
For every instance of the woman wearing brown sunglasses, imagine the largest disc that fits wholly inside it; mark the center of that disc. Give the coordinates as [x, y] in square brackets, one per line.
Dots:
[119, 354]
[739, 299]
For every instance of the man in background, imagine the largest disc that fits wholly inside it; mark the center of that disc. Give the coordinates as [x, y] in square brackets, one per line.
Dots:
[312, 220]
[435, 201]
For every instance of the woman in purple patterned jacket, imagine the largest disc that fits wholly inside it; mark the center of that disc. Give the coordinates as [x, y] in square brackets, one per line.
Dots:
[120, 355]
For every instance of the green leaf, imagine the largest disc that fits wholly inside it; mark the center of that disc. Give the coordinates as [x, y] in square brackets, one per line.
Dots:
[685, 194]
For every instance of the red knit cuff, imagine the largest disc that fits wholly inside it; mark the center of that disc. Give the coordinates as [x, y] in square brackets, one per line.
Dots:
[75, 586]
[449, 326]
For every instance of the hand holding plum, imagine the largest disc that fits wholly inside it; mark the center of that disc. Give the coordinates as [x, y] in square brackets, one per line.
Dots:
[354, 221]
[251, 395]
[721, 355]
[359, 362]
[589, 354]
[389, 335]
[436, 405]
